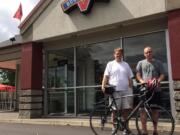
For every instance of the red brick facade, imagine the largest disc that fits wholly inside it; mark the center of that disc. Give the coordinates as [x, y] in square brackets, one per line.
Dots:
[31, 66]
[174, 37]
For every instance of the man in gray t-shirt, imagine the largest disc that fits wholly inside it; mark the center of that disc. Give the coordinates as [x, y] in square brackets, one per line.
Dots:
[147, 69]
[151, 69]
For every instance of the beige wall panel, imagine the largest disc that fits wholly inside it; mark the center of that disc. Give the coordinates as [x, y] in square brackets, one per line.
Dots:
[110, 34]
[54, 22]
[27, 36]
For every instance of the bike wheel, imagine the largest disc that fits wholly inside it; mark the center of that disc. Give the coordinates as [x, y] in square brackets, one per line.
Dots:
[165, 121]
[101, 122]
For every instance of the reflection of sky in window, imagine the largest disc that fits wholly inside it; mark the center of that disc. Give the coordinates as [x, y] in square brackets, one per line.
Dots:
[103, 52]
[137, 43]
[134, 46]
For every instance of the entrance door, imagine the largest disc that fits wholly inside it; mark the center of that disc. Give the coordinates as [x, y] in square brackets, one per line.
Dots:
[60, 82]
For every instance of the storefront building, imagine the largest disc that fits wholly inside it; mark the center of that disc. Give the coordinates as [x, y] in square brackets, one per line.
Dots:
[64, 46]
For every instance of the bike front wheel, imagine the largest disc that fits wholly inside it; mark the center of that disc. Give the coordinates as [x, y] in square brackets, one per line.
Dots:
[162, 119]
[101, 122]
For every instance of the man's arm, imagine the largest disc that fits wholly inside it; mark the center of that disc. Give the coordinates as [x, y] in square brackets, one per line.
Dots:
[139, 73]
[139, 77]
[162, 72]
[161, 78]
[130, 83]
[104, 82]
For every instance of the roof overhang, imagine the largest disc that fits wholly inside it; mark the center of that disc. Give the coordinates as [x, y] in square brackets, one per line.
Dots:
[33, 15]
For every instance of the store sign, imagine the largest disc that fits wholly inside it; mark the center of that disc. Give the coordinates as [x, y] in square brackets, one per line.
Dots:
[84, 5]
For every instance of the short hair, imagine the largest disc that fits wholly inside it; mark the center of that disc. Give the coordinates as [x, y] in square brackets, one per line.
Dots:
[148, 47]
[118, 50]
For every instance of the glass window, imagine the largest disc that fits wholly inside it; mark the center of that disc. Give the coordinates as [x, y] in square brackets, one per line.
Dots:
[61, 76]
[134, 46]
[61, 68]
[91, 62]
[133, 52]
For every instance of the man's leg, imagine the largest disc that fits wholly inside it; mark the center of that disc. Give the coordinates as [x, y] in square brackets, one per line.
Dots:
[143, 118]
[155, 112]
[155, 116]
[125, 113]
[127, 105]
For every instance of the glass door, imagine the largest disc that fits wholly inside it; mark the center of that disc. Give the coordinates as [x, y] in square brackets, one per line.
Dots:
[60, 79]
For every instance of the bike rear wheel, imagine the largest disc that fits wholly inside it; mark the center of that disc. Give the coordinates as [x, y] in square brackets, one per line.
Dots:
[101, 122]
[165, 121]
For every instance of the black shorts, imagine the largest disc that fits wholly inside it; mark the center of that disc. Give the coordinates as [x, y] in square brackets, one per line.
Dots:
[156, 99]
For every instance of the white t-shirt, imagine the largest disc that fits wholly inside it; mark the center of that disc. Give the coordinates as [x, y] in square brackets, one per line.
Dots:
[119, 74]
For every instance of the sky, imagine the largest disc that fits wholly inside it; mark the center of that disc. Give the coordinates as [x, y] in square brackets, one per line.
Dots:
[8, 24]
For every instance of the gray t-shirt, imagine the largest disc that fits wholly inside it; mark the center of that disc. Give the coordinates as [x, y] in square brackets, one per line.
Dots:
[150, 70]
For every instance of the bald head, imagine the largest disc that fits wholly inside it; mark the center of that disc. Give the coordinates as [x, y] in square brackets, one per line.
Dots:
[147, 49]
[148, 53]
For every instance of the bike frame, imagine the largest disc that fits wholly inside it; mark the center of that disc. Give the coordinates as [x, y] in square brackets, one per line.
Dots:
[105, 107]
[143, 103]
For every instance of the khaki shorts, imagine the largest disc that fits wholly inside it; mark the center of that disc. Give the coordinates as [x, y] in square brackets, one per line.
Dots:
[123, 102]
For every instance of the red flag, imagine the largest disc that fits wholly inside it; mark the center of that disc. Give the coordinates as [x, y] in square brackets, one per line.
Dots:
[19, 13]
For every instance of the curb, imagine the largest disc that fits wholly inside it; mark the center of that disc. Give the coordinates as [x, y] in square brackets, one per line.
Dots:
[63, 122]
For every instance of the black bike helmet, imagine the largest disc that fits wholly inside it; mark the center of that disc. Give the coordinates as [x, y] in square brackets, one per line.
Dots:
[152, 84]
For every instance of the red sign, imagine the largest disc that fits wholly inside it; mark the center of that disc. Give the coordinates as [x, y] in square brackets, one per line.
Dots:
[84, 5]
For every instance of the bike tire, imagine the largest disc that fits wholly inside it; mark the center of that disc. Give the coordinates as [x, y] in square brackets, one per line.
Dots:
[166, 123]
[100, 121]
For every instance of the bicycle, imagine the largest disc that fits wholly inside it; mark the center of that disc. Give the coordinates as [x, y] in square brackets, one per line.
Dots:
[101, 121]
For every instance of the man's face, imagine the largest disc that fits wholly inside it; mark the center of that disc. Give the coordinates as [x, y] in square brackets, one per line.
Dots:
[118, 55]
[148, 53]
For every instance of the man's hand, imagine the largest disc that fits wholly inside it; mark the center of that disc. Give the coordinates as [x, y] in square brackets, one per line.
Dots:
[104, 82]
[103, 89]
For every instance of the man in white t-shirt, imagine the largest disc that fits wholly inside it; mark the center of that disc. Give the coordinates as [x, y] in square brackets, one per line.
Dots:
[118, 73]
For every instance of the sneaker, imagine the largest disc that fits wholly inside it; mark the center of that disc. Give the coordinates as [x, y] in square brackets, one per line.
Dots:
[155, 133]
[113, 130]
[127, 132]
[145, 134]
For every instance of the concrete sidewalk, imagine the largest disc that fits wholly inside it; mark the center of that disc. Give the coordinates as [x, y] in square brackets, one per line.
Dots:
[12, 117]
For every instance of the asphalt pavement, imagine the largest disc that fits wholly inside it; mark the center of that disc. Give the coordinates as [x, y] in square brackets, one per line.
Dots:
[37, 129]
[31, 129]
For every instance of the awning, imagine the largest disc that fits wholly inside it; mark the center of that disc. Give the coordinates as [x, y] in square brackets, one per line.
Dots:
[4, 87]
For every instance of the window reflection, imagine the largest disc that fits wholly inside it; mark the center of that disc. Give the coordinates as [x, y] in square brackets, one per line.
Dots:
[61, 68]
[133, 52]
[134, 46]
[61, 76]
[91, 62]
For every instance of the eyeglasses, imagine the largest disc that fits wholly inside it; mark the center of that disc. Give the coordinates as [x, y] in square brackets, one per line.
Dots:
[148, 52]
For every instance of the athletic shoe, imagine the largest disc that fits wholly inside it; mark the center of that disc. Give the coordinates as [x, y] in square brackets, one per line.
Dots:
[155, 133]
